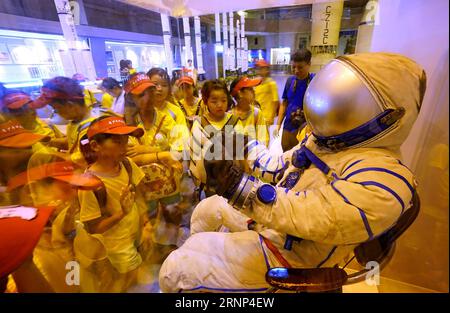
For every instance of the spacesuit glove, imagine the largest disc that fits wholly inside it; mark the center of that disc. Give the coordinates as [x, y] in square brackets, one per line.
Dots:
[223, 176]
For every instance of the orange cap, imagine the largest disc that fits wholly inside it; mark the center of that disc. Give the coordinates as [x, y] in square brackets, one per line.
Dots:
[262, 63]
[63, 171]
[114, 126]
[13, 135]
[15, 100]
[185, 80]
[48, 95]
[138, 83]
[245, 82]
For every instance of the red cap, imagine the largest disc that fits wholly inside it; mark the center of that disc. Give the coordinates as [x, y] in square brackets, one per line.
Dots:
[63, 171]
[262, 63]
[185, 80]
[245, 82]
[13, 135]
[138, 83]
[15, 100]
[18, 237]
[47, 95]
[114, 126]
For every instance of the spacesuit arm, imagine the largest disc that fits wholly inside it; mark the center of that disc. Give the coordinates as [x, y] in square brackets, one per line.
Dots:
[345, 211]
[265, 164]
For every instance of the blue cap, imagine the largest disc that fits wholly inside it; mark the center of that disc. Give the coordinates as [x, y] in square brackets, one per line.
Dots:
[267, 194]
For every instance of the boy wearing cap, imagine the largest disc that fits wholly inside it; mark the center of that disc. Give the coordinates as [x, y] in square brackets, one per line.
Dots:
[266, 93]
[118, 222]
[66, 96]
[250, 119]
[16, 148]
[16, 105]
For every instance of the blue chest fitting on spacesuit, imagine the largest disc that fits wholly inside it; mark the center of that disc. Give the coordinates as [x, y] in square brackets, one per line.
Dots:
[301, 161]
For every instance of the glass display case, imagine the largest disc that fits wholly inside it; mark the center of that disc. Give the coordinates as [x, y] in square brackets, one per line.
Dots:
[143, 56]
[28, 58]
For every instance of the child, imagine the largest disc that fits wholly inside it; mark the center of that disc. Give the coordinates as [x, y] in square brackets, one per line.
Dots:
[250, 119]
[214, 120]
[158, 139]
[216, 98]
[16, 148]
[162, 144]
[266, 93]
[66, 96]
[16, 105]
[118, 221]
[163, 96]
[189, 102]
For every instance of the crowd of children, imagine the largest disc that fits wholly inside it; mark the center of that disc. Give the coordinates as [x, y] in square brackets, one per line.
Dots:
[114, 192]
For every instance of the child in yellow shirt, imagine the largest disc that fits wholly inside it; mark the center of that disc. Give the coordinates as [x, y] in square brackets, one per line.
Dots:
[250, 119]
[117, 222]
[189, 102]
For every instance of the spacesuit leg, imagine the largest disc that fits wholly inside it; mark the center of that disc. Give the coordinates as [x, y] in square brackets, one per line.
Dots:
[217, 262]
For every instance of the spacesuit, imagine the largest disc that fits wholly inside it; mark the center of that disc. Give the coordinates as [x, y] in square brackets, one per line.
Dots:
[341, 186]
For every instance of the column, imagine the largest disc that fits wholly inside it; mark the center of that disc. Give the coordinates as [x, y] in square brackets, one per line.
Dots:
[232, 59]
[238, 46]
[225, 44]
[187, 40]
[244, 49]
[166, 37]
[326, 23]
[198, 46]
[218, 43]
[78, 57]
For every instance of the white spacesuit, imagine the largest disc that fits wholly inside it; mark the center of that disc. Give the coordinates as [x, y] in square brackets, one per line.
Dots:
[343, 185]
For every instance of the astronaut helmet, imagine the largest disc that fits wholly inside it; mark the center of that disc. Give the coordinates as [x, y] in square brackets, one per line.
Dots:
[366, 99]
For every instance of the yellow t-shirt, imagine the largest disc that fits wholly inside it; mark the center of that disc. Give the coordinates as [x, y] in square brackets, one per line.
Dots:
[164, 133]
[89, 98]
[266, 93]
[175, 113]
[43, 129]
[75, 131]
[219, 124]
[253, 124]
[120, 240]
[190, 111]
[107, 100]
